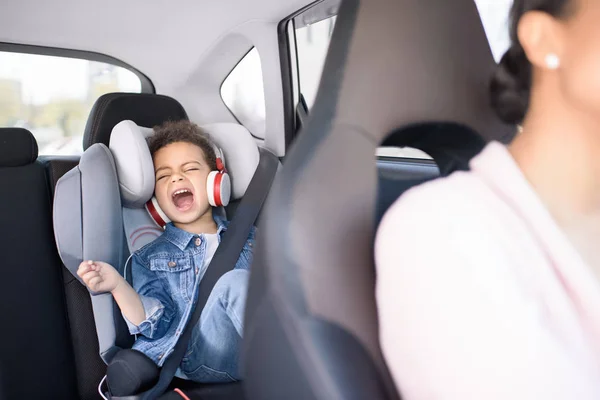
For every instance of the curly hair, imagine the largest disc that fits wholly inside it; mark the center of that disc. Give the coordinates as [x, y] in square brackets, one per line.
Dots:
[183, 131]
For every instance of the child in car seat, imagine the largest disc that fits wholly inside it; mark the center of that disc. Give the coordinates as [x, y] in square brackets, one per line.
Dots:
[167, 271]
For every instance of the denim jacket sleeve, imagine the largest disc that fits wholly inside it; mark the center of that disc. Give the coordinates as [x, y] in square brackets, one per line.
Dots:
[157, 304]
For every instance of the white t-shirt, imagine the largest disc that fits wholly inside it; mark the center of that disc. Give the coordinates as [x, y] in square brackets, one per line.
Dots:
[212, 242]
[481, 295]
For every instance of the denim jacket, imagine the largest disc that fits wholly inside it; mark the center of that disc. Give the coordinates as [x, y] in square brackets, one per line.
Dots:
[166, 274]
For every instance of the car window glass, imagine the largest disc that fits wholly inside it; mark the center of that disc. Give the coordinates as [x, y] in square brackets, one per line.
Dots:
[52, 96]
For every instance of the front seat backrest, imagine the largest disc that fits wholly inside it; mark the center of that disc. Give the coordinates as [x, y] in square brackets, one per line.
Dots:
[311, 321]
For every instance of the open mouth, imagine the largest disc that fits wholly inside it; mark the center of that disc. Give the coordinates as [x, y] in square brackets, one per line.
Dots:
[183, 199]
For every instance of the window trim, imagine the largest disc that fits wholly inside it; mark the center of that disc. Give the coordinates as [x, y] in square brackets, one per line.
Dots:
[146, 84]
[416, 161]
[287, 77]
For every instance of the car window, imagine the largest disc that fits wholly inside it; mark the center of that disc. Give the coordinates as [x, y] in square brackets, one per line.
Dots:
[244, 95]
[52, 96]
[494, 16]
[312, 43]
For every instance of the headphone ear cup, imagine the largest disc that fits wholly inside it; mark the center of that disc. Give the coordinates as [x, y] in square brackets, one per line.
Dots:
[218, 188]
[156, 213]
[225, 189]
[210, 188]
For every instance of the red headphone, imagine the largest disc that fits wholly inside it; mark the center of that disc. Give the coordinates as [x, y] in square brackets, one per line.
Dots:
[218, 189]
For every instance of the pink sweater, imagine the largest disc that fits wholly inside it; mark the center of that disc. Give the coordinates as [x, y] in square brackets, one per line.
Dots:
[481, 295]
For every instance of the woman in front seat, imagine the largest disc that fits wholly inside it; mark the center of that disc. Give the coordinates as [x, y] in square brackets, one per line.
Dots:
[489, 280]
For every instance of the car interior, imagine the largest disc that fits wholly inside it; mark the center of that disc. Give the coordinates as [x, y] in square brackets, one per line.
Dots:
[347, 104]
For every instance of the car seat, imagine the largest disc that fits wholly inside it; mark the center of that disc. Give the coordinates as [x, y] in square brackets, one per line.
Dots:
[99, 208]
[400, 72]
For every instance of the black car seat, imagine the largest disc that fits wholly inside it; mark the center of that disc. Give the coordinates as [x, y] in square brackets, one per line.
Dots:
[36, 357]
[404, 72]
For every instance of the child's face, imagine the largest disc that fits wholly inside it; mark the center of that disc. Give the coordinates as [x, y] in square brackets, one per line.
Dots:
[181, 173]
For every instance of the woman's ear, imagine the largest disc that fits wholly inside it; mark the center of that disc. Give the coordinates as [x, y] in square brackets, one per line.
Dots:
[542, 39]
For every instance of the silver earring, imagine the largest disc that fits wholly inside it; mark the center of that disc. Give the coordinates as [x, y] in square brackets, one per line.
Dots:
[552, 61]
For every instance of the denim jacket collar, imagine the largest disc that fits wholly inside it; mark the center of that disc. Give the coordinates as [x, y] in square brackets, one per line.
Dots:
[181, 238]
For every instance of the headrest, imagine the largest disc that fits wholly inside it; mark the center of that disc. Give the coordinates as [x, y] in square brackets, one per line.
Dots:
[239, 151]
[136, 171]
[450, 144]
[144, 109]
[17, 147]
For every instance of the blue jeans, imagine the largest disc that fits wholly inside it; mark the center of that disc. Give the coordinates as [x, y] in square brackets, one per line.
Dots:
[213, 352]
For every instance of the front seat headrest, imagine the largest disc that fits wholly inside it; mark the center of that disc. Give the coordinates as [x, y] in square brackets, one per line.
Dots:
[18, 147]
[450, 144]
[142, 108]
[136, 171]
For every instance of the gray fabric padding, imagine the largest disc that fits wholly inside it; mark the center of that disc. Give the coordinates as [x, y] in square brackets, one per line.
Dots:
[134, 163]
[88, 226]
[398, 63]
[101, 207]
[240, 153]
[435, 72]
[349, 229]
[140, 228]
[68, 230]
[104, 317]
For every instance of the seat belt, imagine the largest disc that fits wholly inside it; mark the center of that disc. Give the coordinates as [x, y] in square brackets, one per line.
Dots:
[223, 261]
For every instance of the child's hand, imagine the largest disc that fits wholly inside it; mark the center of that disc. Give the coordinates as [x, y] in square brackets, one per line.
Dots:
[99, 276]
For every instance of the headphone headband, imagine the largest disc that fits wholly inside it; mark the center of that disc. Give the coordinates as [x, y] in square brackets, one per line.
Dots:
[220, 158]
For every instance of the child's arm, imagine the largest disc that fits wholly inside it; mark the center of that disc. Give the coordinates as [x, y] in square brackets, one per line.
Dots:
[102, 277]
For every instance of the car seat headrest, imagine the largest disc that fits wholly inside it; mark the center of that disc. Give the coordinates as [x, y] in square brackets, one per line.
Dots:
[142, 108]
[18, 147]
[450, 144]
[136, 172]
[240, 153]
[134, 163]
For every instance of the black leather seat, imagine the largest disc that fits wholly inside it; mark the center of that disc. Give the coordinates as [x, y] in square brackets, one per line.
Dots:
[36, 356]
[311, 320]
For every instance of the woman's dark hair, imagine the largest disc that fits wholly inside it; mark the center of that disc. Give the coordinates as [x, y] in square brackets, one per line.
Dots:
[511, 84]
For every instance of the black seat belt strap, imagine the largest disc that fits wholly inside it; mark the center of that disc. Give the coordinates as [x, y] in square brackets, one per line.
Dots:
[223, 261]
